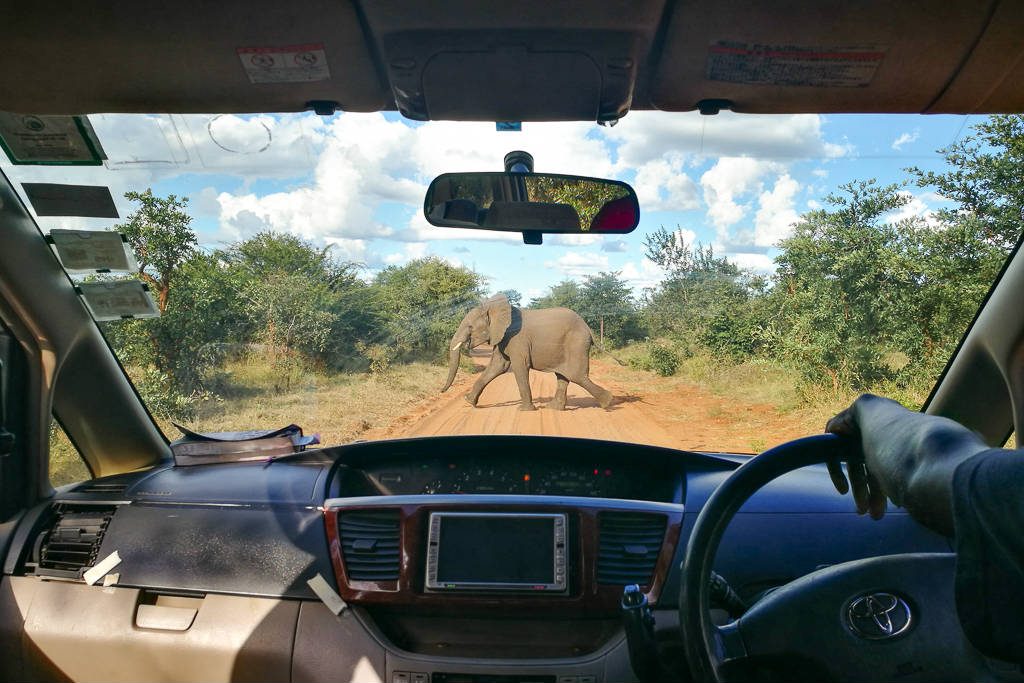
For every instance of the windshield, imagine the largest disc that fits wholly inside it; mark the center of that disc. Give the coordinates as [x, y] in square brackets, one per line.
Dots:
[782, 265]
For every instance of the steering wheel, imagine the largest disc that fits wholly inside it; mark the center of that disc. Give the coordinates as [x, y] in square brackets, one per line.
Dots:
[881, 618]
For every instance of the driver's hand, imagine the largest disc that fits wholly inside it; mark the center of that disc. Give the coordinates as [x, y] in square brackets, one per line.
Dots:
[867, 492]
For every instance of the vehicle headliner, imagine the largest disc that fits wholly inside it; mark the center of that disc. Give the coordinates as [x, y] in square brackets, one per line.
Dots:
[569, 60]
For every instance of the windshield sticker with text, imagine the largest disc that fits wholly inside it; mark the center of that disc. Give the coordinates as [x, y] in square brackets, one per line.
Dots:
[820, 67]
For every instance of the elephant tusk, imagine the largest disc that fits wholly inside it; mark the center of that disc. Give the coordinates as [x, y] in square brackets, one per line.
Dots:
[456, 346]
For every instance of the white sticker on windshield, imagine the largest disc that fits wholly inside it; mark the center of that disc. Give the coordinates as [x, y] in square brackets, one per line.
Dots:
[290, 64]
[49, 140]
[118, 300]
[93, 251]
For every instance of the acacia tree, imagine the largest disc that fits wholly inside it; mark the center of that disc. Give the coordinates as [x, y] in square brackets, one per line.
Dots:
[566, 293]
[161, 235]
[984, 178]
[422, 303]
[607, 300]
[705, 301]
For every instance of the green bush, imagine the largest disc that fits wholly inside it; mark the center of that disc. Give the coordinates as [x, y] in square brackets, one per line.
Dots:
[664, 359]
[163, 399]
[378, 355]
[656, 356]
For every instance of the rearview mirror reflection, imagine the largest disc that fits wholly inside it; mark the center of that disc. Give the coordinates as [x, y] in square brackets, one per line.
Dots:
[531, 202]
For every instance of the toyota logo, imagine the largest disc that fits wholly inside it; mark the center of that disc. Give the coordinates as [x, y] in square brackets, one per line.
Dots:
[878, 616]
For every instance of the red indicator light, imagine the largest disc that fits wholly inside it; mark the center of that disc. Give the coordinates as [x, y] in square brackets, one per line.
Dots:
[607, 473]
[595, 472]
[526, 477]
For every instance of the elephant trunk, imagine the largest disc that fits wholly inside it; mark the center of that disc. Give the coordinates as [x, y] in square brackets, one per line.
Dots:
[453, 362]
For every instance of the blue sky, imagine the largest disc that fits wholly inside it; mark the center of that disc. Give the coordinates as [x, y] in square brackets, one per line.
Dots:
[356, 181]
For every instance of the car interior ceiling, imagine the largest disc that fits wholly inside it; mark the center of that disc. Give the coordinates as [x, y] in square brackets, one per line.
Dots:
[231, 555]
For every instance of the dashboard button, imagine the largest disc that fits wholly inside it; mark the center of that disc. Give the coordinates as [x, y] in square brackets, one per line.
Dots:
[399, 677]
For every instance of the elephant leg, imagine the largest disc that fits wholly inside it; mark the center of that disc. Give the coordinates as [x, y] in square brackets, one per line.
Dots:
[522, 374]
[558, 402]
[603, 396]
[497, 366]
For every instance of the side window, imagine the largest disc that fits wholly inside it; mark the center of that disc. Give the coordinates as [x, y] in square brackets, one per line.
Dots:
[66, 465]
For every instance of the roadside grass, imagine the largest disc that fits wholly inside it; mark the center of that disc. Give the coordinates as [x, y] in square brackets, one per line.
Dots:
[755, 381]
[257, 393]
[337, 406]
[66, 466]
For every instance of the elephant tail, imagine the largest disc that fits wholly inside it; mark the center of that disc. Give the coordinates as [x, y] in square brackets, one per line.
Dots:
[602, 349]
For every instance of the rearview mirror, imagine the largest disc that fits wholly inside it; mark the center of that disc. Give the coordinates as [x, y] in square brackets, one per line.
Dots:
[531, 203]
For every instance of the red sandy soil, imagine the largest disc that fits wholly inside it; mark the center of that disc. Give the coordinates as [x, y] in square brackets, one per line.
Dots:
[660, 413]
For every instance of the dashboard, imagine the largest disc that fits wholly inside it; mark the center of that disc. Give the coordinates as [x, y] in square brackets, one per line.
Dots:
[538, 474]
[421, 538]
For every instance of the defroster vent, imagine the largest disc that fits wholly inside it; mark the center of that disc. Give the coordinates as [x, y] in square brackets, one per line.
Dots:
[630, 543]
[370, 544]
[72, 542]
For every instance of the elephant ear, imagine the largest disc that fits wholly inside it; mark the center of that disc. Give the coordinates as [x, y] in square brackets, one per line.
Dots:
[499, 317]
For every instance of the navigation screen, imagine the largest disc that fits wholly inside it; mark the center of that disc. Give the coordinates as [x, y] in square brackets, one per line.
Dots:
[498, 549]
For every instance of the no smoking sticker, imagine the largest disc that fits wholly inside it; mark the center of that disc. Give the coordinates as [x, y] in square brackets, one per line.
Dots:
[289, 64]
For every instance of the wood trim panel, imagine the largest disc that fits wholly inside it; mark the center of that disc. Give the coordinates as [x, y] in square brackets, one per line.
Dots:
[584, 597]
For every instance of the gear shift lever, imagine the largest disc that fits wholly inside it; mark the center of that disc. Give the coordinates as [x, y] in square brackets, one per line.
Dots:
[638, 621]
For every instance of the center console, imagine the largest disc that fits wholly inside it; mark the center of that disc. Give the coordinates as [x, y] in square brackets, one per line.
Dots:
[425, 566]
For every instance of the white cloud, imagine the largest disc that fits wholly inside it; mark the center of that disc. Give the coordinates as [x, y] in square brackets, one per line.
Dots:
[730, 180]
[617, 246]
[567, 147]
[349, 250]
[647, 135]
[663, 185]
[777, 212]
[573, 240]
[917, 207]
[906, 139]
[820, 173]
[577, 264]
[643, 275]
[757, 262]
[410, 252]
[684, 236]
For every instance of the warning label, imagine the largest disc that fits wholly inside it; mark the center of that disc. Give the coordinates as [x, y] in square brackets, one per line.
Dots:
[290, 64]
[817, 67]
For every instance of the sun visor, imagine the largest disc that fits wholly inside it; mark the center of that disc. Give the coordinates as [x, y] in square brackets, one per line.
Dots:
[515, 78]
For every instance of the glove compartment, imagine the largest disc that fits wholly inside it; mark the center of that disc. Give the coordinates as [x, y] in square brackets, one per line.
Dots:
[89, 633]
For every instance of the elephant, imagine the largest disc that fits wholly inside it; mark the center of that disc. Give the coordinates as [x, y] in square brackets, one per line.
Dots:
[554, 340]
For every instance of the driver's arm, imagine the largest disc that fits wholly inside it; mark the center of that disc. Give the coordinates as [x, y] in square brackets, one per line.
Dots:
[949, 480]
[909, 457]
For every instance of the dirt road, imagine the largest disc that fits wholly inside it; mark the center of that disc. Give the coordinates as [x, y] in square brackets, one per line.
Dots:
[644, 411]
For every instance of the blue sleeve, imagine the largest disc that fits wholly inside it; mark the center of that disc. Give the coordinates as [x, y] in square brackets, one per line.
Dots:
[988, 511]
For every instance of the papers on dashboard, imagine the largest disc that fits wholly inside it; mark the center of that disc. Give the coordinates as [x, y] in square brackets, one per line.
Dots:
[197, 448]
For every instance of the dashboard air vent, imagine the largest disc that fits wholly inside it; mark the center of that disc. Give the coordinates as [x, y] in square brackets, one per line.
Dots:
[71, 544]
[630, 543]
[370, 544]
